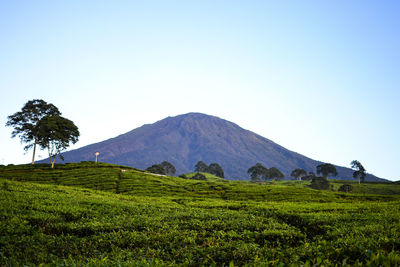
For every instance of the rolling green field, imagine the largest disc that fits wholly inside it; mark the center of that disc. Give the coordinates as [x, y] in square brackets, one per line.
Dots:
[108, 215]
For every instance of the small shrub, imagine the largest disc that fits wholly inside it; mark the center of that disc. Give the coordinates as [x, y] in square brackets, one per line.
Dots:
[320, 183]
[347, 188]
[199, 176]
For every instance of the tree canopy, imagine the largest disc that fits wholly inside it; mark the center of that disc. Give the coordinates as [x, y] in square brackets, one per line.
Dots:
[168, 167]
[258, 172]
[326, 169]
[214, 168]
[201, 167]
[157, 169]
[359, 172]
[164, 168]
[275, 173]
[55, 134]
[298, 174]
[25, 122]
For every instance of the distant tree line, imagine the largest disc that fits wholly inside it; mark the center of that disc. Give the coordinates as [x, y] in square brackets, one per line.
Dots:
[259, 171]
[326, 170]
[166, 168]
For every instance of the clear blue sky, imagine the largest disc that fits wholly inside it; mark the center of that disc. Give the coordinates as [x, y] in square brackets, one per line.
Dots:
[321, 78]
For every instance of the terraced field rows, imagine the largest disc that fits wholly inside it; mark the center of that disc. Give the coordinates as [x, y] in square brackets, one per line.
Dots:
[155, 220]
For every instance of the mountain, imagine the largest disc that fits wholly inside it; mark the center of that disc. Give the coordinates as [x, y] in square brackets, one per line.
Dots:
[186, 139]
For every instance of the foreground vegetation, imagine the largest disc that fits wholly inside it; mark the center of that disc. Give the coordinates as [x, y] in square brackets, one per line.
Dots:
[108, 215]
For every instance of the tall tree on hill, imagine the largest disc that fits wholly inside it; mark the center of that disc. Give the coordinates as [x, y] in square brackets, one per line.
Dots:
[25, 122]
[258, 171]
[359, 172]
[216, 169]
[56, 133]
[201, 167]
[275, 173]
[298, 174]
[326, 169]
[168, 167]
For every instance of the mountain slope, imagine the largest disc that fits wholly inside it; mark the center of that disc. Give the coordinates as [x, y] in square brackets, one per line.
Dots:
[185, 139]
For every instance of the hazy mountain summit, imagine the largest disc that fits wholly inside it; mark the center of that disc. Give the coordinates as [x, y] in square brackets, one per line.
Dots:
[186, 139]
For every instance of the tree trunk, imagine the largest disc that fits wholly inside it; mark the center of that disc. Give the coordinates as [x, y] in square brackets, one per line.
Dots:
[52, 161]
[34, 151]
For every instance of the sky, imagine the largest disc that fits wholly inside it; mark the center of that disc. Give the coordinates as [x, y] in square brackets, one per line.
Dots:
[321, 78]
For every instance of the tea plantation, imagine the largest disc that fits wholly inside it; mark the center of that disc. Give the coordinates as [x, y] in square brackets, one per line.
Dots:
[88, 214]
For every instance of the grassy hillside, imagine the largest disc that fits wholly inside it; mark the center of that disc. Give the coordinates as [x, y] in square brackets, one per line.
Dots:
[209, 176]
[126, 180]
[113, 215]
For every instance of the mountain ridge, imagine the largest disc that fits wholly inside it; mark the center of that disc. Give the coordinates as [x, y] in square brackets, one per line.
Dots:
[186, 139]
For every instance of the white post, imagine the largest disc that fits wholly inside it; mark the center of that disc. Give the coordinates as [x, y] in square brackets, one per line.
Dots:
[97, 153]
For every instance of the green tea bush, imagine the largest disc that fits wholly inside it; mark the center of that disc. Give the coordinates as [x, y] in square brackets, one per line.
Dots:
[72, 216]
[320, 183]
[199, 176]
[347, 188]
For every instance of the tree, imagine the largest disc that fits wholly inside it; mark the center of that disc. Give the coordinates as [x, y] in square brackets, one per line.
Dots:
[216, 169]
[168, 167]
[326, 169]
[258, 171]
[359, 172]
[157, 169]
[298, 174]
[25, 122]
[56, 133]
[275, 173]
[201, 167]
